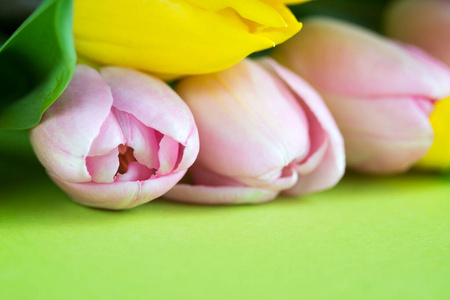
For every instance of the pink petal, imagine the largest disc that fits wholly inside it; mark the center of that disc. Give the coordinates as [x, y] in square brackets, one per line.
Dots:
[119, 195]
[68, 128]
[103, 168]
[190, 151]
[250, 125]
[323, 129]
[311, 162]
[219, 195]
[384, 136]
[168, 155]
[324, 176]
[151, 101]
[277, 180]
[139, 137]
[282, 180]
[288, 179]
[203, 176]
[110, 137]
[135, 172]
[438, 72]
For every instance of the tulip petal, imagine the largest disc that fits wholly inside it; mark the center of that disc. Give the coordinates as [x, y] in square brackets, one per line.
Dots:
[103, 168]
[202, 176]
[323, 129]
[439, 73]
[168, 155]
[139, 137]
[138, 94]
[135, 172]
[110, 137]
[71, 124]
[276, 35]
[253, 10]
[282, 180]
[288, 179]
[384, 136]
[219, 195]
[119, 195]
[311, 162]
[189, 152]
[324, 176]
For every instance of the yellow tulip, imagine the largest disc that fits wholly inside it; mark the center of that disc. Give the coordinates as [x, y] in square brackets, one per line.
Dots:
[438, 157]
[172, 38]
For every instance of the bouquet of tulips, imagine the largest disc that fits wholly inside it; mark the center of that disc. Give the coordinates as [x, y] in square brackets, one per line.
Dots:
[229, 129]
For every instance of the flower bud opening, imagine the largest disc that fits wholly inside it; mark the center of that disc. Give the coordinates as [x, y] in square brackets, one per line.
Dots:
[125, 157]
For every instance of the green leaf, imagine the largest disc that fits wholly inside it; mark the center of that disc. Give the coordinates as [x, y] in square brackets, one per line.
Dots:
[36, 64]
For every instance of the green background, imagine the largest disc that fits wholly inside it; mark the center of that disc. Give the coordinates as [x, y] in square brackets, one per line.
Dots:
[368, 238]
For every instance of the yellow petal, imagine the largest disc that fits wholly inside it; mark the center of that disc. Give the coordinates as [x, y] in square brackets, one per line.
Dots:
[175, 37]
[276, 35]
[438, 157]
[252, 10]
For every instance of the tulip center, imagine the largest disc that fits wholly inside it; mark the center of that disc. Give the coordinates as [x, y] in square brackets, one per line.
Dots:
[125, 157]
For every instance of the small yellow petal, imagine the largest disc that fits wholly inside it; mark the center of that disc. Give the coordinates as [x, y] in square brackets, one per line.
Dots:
[438, 157]
[275, 34]
[252, 10]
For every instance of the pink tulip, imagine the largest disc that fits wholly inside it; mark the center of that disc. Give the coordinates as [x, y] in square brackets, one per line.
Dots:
[424, 23]
[116, 138]
[380, 92]
[262, 130]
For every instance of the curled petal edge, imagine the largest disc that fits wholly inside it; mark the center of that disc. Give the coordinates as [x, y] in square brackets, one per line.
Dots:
[202, 194]
[119, 195]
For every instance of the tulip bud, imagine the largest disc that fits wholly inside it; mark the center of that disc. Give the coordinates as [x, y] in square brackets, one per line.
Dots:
[262, 131]
[381, 93]
[432, 35]
[116, 138]
[173, 38]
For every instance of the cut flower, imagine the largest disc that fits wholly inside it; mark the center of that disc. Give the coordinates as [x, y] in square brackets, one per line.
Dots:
[116, 138]
[263, 130]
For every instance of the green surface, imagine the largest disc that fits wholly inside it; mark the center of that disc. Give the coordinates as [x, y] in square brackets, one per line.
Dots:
[369, 238]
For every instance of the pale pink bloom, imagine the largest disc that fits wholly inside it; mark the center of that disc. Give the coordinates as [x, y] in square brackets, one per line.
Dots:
[116, 138]
[263, 130]
[424, 23]
[380, 92]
